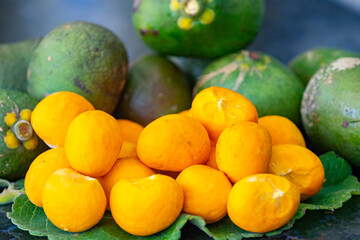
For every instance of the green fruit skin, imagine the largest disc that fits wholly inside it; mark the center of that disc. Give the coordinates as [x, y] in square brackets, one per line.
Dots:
[266, 82]
[306, 64]
[155, 87]
[15, 162]
[236, 24]
[14, 61]
[83, 58]
[330, 109]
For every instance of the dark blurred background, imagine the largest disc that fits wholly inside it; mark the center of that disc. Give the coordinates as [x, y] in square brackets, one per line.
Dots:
[290, 26]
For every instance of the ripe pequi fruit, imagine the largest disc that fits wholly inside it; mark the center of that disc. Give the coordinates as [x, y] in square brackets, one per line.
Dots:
[14, 61]
[93, 143]
[41, 169]
[243, 149]
[53, 115]
[155, 87]
[144, 206]
[266, 82]
[19, 145]
[306, 64]
[330, 109]
[262, 202]
[173, 142]
[73, 202]
[300, 166]
[205, 191]
[217, 108]
[282, 130]
[122, 169]
[83, 58]
[198, 28]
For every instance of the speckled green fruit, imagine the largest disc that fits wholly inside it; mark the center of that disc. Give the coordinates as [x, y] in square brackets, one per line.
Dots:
[330, 109]
[19, 145]
[306, 64]
[155, 87]
[83, 58]
[198, 28]
[14, 61]
[267, 83]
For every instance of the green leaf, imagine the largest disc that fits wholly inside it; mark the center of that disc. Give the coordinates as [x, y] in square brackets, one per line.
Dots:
[31, 218]
[336, 168]
[339, 188]
[10, 190]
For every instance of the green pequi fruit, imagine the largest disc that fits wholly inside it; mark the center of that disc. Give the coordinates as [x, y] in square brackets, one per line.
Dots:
[330, 109]
[154, 87]
[266, 82]
[198, 28]
[83, 58]
[306, 64]
[19, 145]
[14, 61]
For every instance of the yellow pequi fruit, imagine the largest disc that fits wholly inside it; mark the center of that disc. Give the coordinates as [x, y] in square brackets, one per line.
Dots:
[53, 115]
[73, 202]
[122, 169]
[282, 130]
[205, 191]
[262, 202]
[41, 169]
[173, 142]
[128, 149]
[146, 206]
[217, 108]
[93, 143]
[300, 166]
[243, 149]
[130, 130]
[211, 162]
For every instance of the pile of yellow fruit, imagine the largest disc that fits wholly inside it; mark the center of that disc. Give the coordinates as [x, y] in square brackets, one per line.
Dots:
[215, 159]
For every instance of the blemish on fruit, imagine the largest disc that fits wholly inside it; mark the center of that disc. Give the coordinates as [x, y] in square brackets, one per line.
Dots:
[80, 85]
[254, 55]
[155, 33]
[28, 74]
[143, 32]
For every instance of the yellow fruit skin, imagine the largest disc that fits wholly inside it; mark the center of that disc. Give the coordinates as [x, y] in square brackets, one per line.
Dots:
[243, 149]
[122, 169]
[187, 112]
[146, 206]
[282, 130]
[128, 149]
[41, 169]
[130, 130]
[73, 202]
[205, 192]
[300, 166]
[211, 162]
[173, 142]
[93, 143]
[52, 116]
[217, 108]
[262, 202]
